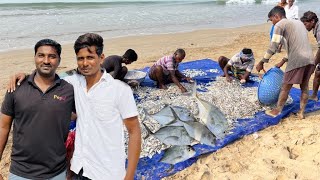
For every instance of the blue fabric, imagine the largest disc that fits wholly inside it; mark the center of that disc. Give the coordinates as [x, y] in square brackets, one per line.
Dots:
[152, 169]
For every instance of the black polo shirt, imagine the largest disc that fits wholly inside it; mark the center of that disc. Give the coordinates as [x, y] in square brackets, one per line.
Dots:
[40, 127]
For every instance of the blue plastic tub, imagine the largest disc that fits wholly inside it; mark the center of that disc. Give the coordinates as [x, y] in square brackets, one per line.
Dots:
[270, 86]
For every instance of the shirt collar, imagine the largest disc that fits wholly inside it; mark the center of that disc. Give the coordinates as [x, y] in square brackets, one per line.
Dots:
[57, 79]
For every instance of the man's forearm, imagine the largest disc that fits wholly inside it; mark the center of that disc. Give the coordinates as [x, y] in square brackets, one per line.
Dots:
[4, 133]
[134, 148]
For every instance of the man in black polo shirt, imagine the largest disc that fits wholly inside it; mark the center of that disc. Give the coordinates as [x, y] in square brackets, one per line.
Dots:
[40, 109]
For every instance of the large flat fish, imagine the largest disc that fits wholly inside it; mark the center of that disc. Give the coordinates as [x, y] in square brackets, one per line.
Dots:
[172, 135]
[211, 115]
[200, 133]
[176, 154]
[183, 114]
[164, 116]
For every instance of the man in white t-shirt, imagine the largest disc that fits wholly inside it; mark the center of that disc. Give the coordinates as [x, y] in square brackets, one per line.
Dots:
[292, 10]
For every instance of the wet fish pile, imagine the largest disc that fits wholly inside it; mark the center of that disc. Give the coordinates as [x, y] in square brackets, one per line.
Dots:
[158, 110]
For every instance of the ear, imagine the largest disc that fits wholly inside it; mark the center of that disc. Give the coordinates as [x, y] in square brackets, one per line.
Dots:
[101, 58]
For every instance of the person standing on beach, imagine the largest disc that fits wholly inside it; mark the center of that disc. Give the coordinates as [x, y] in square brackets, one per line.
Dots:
[241, 65]
[113, 64]
[300, 64]
[292, 11]
[311, 22]
[40, 108]
[104, 104]
[165, 70]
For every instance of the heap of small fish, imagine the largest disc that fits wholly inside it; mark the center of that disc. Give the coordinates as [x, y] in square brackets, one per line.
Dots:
[162, 126]
[198, 72]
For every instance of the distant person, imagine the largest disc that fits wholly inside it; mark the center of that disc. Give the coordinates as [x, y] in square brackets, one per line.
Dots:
[292, 11]
[300, 64]
[113, 64]
[240, 65]
[165, 70]
[311, 22]
[282, 3]
[40, 110]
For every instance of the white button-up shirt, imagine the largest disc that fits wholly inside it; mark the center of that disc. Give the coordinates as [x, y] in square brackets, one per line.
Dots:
[99, 142]
[292, 12]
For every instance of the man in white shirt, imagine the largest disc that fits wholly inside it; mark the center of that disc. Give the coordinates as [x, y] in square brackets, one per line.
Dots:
[292, 10]
[103, 105]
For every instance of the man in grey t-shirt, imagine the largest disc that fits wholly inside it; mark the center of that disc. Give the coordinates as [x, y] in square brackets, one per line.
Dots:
[311, 22]
[300, 65]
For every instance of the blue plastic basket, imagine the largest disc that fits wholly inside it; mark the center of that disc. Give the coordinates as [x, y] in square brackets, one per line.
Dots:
[270, 86]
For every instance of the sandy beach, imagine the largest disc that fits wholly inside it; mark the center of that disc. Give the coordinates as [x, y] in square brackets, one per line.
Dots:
[289, 150]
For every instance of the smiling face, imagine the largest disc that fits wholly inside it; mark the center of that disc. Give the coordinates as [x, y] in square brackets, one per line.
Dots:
[46, 60]
[89, 61]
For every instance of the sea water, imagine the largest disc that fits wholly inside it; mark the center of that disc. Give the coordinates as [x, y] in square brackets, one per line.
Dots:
[24, 22]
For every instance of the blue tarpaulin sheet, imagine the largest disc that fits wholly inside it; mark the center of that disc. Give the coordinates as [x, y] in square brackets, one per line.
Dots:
[152, 169]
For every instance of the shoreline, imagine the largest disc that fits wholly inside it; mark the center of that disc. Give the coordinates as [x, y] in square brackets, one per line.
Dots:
[267, 157]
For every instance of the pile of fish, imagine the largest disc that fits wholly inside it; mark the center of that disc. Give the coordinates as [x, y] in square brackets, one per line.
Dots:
[174, 121]
[198, 72]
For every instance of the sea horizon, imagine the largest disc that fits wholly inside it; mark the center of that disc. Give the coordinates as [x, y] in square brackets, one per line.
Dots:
[23, 23]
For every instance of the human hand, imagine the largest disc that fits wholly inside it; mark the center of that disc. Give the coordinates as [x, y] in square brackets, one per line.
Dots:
[228, 78]
[183, 90]
[190, 80]
[242, 81]
[1, 178]
[259, 66]
[13, 81]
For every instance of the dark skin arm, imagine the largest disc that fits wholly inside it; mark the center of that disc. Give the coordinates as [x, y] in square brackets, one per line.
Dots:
[176, 81]
[281, 63]
[5, 126]
[225, 70]
[317, 58]
[134, 145]
[182, 76]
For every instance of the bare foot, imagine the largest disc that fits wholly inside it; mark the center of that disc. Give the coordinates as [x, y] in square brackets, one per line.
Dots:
[300, 115]
[314, 98]
[272, 113]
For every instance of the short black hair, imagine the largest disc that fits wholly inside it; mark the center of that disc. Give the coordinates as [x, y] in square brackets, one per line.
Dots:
[87, 40]
[277, 10]
[131, 55]
[48, 42]
[180, 52]
[309, 16]
[246, 51]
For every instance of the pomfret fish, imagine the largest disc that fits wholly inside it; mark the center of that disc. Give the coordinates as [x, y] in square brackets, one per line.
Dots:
[164, 116]
[200, 133]
[172, 135]
[176, 154]
[211, 115]
[183, 113]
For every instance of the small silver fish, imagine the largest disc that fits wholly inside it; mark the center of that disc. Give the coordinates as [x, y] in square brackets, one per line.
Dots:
[200, 133]
[176, 154]
[211, 116]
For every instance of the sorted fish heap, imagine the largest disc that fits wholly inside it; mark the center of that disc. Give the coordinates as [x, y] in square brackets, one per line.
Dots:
[213, 70]
[193, 72]
[174, 121]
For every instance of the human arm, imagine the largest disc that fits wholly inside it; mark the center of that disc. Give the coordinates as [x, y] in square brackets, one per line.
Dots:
[134, 145]
[275, 41]
[176, 81]
[5, 126]
[182, 76]
[281, 63]
[225, 70]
